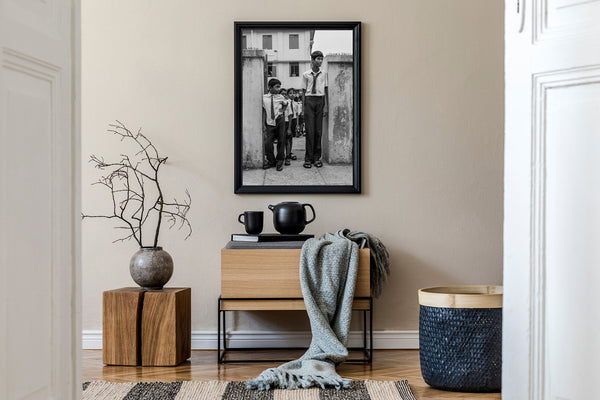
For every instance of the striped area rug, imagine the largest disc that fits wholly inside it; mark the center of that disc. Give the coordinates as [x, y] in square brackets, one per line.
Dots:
[219, 390]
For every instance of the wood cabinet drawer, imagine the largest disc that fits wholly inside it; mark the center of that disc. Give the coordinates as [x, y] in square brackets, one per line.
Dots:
[274, 273]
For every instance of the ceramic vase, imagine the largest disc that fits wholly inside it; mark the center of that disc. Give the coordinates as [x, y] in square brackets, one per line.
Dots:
[151, 267]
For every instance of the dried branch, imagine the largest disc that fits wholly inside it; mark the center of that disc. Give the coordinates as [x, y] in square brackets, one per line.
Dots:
[133, 200]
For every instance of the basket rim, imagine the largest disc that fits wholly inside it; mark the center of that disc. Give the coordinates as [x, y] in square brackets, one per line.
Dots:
[462, 296]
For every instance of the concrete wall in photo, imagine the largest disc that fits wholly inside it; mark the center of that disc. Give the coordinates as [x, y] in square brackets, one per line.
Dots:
[253, 87]
[338, 126]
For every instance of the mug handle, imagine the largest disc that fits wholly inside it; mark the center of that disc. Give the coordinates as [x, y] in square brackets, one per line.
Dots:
[240, 219]
[313, 211]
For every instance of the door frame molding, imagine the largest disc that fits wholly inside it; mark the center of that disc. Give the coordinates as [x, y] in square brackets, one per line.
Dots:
[77, 298]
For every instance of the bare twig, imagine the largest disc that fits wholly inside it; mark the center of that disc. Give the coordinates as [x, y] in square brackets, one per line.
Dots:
[133, 200]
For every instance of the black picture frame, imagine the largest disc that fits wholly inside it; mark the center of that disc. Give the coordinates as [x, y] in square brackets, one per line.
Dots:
[353, 184]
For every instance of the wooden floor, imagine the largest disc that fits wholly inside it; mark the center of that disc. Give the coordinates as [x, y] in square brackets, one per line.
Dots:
[387, 365]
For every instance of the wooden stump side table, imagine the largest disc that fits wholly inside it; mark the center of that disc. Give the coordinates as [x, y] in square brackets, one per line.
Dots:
[146, 327]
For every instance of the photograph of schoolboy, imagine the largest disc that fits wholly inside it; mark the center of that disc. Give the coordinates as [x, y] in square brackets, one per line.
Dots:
[275, 107]
[290, 124]
[314, 85]
[297, 107]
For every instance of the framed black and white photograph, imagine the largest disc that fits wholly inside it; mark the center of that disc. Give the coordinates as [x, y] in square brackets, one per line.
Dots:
[297, 107]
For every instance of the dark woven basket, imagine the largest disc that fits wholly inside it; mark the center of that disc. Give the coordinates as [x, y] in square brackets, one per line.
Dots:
[461, 348]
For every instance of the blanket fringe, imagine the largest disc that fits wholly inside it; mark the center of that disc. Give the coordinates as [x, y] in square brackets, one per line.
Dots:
[274, 378]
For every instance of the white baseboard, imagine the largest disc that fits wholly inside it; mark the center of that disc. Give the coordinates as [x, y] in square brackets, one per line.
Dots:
[207, 340]
[91, 340]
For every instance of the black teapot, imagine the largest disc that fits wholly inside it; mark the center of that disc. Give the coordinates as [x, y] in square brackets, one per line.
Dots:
[290, 217]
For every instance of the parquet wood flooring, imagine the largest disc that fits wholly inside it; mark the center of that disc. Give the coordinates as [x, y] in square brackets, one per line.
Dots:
[387, 365]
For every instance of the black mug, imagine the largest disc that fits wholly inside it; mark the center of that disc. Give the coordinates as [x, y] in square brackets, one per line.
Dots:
[253, 221]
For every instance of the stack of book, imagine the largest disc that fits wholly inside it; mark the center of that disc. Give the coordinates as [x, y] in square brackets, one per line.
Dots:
[269, 237]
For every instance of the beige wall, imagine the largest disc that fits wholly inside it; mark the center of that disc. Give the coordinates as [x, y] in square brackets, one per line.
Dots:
[432, 133]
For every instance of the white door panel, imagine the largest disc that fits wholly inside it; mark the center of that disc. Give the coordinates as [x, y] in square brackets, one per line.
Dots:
[551, 332]
[572, 326]
[565, 18]
[29, 220]
[39, 200]
[41, 16]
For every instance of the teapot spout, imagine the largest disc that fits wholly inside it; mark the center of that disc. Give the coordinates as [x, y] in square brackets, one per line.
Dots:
[271, 207]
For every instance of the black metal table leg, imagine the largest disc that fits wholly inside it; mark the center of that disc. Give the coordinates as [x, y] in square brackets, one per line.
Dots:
[219, 330]
[222, 335]
[364, 329]
[370, 330]
[224, 332]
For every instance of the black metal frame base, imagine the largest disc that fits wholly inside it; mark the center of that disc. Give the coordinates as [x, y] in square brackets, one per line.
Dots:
[223, 348]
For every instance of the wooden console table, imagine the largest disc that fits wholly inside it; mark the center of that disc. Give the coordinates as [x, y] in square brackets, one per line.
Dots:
[146, 327]
[268, 279]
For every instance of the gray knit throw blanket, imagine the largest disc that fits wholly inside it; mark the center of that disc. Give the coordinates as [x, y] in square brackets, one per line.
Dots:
[328, 270]
[380, 258]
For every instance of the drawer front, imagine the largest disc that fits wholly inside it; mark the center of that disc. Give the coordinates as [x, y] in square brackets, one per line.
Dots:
[274, 273]
[275, 305]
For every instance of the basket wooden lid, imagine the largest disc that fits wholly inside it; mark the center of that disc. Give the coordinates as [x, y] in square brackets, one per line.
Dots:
[475, 296]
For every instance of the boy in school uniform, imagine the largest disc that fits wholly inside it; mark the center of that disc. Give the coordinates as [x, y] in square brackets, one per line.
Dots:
[292, 117]
[274, 106]
[315, 82]
[300, 114]
[288, 115]
[301, 125]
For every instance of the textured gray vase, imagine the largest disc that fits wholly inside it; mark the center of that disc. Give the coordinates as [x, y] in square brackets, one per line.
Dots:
[151, 267]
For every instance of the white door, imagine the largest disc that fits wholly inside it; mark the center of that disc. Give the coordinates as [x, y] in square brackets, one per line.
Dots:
[551, 336]
[39, 200]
